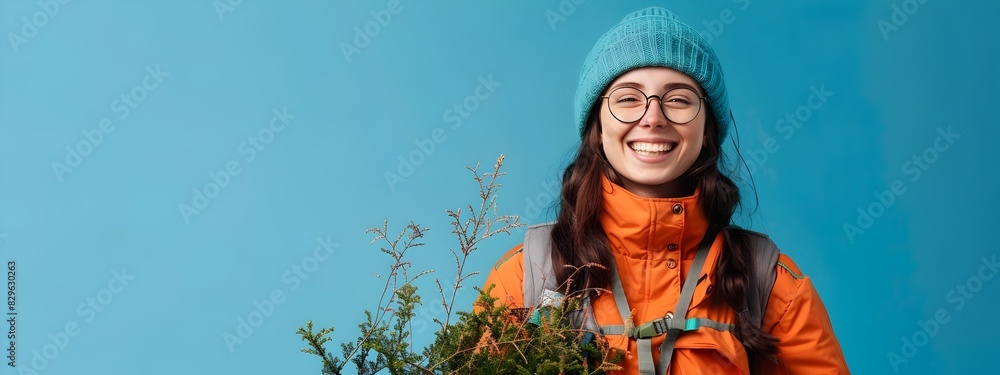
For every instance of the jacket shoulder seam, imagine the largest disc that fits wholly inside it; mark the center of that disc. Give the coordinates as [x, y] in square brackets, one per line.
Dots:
[499, 263]
[790, 272]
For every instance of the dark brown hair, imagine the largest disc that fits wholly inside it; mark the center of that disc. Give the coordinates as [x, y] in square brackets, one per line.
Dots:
[579, 240]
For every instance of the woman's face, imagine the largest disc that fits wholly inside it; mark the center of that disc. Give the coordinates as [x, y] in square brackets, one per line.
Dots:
[652, 153]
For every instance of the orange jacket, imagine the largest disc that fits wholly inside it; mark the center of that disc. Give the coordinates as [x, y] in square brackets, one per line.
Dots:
[642, 232]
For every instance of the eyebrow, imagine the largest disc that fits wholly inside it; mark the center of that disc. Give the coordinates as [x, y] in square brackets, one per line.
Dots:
[667, 87]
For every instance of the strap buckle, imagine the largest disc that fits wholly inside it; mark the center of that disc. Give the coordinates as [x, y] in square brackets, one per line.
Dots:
[660, 326]
[653, 328]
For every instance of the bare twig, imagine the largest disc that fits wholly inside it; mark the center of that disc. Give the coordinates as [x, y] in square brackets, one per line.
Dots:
[476, 228]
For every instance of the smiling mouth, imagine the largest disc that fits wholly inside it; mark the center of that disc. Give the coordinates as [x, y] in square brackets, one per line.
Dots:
[652, 149]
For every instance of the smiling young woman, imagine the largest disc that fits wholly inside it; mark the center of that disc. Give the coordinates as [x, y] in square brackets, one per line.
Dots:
[646, 200]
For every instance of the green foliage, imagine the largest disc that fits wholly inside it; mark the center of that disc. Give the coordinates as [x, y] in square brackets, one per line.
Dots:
[316, 341]
[491, 339]
[494, 339]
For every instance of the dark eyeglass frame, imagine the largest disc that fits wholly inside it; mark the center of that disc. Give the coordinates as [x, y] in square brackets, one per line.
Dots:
[659, 98]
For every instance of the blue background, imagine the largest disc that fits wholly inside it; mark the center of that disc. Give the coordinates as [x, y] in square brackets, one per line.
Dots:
[357, 115]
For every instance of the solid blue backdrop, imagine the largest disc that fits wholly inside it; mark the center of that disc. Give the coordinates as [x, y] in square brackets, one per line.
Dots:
[169, 170]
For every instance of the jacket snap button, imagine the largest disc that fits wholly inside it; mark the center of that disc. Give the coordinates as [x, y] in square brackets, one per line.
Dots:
[671, 263]
[672, 246]
[678, 209]
[709, 290]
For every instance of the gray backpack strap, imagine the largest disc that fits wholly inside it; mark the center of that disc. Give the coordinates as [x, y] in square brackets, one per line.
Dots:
[538, 274]
[765, 259]
[683, 303]
[764, 273]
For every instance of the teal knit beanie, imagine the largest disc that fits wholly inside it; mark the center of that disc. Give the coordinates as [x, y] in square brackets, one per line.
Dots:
[652, 37]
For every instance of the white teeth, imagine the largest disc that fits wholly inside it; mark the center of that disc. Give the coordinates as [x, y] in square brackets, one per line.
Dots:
[652, 147]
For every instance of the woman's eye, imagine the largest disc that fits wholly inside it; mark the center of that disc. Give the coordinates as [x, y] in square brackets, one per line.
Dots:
[627, 99]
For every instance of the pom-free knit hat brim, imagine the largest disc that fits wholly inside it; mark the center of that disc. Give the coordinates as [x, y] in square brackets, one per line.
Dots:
[652, 37]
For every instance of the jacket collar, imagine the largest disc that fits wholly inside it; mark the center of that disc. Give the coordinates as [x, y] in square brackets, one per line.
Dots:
[645, 228]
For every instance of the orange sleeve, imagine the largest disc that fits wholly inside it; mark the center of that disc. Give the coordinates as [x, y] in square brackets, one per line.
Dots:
[798, 318]
[507, 277]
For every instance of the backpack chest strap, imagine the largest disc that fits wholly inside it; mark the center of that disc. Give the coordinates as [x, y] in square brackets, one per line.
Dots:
[673, 324]
[660, 326]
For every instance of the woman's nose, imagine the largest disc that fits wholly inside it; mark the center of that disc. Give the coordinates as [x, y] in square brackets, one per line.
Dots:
[654, 113]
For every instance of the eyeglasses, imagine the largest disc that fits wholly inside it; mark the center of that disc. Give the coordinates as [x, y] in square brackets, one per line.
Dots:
[679, 105]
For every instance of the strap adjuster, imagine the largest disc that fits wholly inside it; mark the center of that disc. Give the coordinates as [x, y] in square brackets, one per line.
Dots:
[660, 326]
[653, 328]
